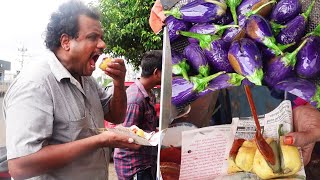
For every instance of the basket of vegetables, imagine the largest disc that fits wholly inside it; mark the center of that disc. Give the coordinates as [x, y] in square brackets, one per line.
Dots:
[216, 44]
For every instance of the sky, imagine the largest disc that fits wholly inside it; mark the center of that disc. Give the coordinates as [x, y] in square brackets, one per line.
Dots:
[23, 23]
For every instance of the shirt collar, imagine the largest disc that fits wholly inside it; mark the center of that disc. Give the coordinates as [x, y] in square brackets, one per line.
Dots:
[142, 89]
[58, 70]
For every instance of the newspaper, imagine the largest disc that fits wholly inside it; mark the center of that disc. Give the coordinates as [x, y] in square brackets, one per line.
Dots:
[205, 151]
[149, 139]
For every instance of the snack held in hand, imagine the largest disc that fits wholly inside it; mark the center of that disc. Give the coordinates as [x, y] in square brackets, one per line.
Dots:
[137, 131]
[249, 159]
[103, 66]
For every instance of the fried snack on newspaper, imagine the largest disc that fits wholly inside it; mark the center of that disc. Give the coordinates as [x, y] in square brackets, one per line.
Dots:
[244, 156]
[135, 129]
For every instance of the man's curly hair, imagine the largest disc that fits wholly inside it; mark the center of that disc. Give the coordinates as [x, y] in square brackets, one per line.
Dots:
[65, 21]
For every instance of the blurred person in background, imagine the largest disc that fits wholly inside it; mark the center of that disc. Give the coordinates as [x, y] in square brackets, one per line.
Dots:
[141, 164]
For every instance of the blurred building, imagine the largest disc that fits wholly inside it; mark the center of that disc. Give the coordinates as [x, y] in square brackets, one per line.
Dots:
[4, 66]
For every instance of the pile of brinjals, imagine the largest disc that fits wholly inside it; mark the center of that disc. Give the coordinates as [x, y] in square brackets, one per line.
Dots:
[234, 42]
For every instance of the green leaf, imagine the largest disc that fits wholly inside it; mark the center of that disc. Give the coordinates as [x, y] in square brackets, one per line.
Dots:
[127, 30]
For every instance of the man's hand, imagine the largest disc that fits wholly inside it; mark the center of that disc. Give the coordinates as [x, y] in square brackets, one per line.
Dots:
[111, 139]
[306, 120]
[117, 70]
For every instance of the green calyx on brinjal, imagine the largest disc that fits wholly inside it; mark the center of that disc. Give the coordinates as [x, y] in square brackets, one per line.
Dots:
[223, 81]
[295, 29]
[281, 67]
[184, 91]
[236, 33]
[308, 58]
[174, 25]
[215, 50]
[179, 65]
[285, 10]
[233, 4]
[197, 59]
[251, 5]
[245, 58]
[259, 29]
[199, 11]
[302, 88]
[207, 28]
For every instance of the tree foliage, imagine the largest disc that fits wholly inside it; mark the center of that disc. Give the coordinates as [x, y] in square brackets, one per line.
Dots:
[127, 30]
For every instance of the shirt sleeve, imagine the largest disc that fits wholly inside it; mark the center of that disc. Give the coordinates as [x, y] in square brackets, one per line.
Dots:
[133, 115]
[28, 113]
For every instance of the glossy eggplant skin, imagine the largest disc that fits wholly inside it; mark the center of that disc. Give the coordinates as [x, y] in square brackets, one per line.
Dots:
[176, 57]
[302, 88]
[182, 91]
[197, 59]
[258, 29]
[206, 28]
[225, 19]
[175, 25]
[233, 33]
[200, 11]
[295, 28]
[179, 65]
[267, 54]
[308, 59]
[248, 5]
[285, 10]
[277, 71]
[294, 31]
[217, 56]
[282, 67]
[245, 58]
[223, 81]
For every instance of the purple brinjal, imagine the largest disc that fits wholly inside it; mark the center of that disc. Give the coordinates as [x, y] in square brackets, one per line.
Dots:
[199, 11]
[281, 67]
[245, 58]
[179, 65]
[268, 54]
[308, 58]
[233, 33]
[295, 29]
[302, 88]
[207, 28]
[197, 59]
[184, 91]
[175, 25]
[225, 19]
[250, 5]
[258, 28]
[215, 49]
[233, 4]
[285, 10]
[223, 81]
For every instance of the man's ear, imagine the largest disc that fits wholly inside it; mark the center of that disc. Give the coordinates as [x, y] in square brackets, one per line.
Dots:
[65, 42]
[157, 73]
